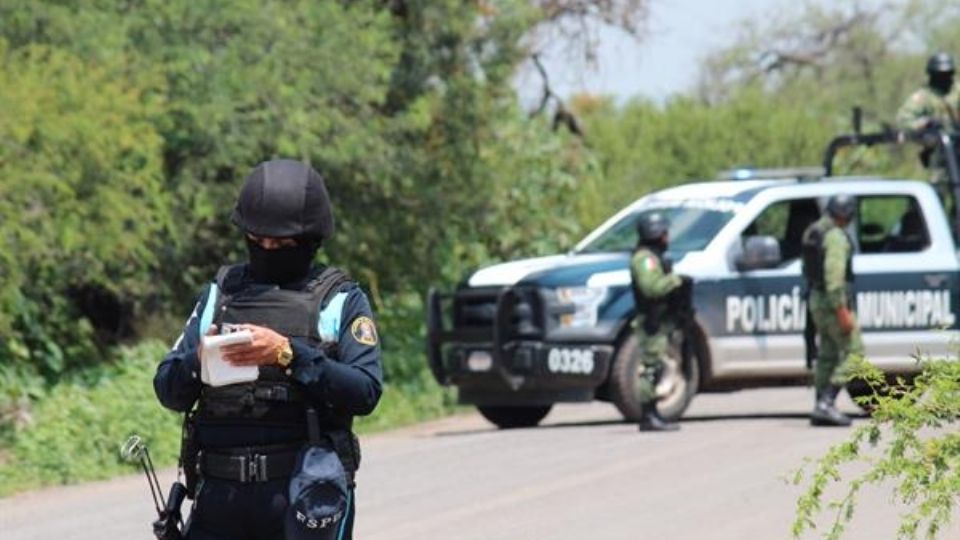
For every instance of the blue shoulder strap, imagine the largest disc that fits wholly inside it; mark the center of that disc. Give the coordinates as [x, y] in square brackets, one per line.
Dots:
[206, 319]
[329, 324]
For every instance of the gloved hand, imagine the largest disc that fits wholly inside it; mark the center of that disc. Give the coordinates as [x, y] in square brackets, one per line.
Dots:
[845, 319]
[933, 124]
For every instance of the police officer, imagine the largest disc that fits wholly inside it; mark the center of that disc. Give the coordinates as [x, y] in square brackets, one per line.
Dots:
[653, 282]
[316, 347]
[937, 103]
[827, 267]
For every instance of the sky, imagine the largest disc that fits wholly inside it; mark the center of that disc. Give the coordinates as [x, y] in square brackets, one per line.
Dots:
[679, 34]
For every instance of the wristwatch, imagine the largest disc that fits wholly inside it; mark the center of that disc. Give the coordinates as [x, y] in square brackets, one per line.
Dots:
[284, 353]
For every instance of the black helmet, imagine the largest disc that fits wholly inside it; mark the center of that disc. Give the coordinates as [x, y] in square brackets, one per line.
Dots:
[940, 63]
[841, 206]
[651, 227]
[284, 198]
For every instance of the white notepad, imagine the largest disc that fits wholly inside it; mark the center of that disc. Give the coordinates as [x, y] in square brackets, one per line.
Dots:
[216, 371]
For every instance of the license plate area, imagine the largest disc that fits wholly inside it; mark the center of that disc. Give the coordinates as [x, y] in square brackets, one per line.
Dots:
[479, 361]
[571, 361]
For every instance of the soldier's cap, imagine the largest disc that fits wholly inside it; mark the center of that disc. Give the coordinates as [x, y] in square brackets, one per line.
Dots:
[318, 495]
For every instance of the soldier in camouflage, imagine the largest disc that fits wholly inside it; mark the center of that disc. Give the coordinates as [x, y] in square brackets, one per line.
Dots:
[652, 284]
[827, 267]
[935, 105]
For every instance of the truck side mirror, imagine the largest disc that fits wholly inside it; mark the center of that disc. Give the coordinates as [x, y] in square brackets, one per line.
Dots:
[758, 252]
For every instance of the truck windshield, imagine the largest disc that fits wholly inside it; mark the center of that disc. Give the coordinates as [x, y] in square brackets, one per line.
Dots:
[691, 229]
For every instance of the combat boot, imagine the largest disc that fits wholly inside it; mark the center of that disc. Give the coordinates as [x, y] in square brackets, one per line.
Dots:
[650, 420]
[825, 411]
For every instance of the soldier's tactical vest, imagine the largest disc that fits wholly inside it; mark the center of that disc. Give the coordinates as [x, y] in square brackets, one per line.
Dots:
[651, 307]
[273, 400]
[814, 255]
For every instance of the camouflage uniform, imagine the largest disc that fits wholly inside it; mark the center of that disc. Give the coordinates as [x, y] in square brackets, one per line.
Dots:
[651, 282]
[923, 106]
[835, 347]
[928, 104]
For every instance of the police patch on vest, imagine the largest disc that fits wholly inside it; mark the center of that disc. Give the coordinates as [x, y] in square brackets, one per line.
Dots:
[364, 331]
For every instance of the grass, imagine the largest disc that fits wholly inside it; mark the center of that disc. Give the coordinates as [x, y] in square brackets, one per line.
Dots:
[78, 427]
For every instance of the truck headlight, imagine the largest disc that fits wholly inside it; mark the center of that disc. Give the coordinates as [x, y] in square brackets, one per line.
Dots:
[585, 301]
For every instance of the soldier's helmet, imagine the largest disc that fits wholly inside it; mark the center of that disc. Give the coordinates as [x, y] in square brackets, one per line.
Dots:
[842, 206]
[651, 227]
[940, 62]
[284, 198]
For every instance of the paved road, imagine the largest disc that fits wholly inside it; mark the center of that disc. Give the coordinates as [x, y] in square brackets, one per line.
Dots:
[583, 474]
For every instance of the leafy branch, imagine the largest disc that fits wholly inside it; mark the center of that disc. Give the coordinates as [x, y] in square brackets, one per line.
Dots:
[911, 441]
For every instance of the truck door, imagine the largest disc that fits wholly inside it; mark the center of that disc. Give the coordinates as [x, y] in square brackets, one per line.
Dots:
[762, 311]
[905, 282]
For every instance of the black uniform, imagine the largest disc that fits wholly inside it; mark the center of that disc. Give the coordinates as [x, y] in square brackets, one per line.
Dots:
[336, 369]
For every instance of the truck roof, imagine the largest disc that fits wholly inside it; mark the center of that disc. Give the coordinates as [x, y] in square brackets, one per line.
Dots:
[730, 195]
[744, 190]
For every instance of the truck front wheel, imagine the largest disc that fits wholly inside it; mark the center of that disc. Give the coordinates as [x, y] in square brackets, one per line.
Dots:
[678, 383]
[514, 417]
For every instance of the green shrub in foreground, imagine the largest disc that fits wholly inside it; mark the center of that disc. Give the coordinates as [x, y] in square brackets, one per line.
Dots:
[911, 443]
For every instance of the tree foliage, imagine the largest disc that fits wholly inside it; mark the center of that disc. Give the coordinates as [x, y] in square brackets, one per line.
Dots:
[774, 97]
[137, 121]
[642, 146]
[83, 207]
[831, 57]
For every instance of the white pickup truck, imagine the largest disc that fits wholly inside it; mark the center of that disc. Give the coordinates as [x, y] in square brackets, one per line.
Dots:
[517, 337]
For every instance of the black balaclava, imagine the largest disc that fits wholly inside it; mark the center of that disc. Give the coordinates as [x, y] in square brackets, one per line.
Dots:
[282, 265]
[657, 246]
[942, 82]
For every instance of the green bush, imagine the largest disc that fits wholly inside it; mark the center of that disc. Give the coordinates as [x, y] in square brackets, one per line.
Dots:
[82, 209]
[404, 404]
[910, 443]
[114, 120]
[73, 433]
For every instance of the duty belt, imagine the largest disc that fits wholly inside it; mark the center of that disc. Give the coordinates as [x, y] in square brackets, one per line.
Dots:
[253, 466]
[248, 393]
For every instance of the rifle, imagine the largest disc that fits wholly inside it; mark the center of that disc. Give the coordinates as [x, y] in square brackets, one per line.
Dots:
[169, 523]
[810, 336]
[680, 303]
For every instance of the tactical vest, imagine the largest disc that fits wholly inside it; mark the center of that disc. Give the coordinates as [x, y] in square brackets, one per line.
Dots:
[651, 307]
[273, 400]
[813, 255]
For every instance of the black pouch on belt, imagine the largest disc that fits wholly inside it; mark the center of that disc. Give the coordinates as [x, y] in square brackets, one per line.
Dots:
[318, 491]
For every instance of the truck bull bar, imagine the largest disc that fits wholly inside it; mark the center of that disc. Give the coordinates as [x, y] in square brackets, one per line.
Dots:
[496, 336]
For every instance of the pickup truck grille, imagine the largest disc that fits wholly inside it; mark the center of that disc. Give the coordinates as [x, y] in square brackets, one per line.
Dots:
[520, 307]
[472, 309]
